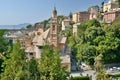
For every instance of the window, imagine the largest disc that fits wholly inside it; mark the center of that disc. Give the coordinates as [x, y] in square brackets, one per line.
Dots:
[40, 47]
[31, 54]
[53, 28]
[54, 37]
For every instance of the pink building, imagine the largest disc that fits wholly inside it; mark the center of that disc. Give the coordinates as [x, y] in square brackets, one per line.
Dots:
[83, 16]
[111, 16]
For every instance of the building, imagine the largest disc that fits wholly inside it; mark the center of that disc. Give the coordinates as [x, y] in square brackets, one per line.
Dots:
[93, 9]
[75, 29]
[51, 37]
[23, 35]
[110, 6]
[93, 16]
[111, 16]
[39, 27]
[66, 24]
[25, 41]
[84, 16]
[80, 17]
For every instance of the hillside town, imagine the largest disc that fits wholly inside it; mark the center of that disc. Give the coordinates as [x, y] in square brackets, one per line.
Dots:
[77, 35]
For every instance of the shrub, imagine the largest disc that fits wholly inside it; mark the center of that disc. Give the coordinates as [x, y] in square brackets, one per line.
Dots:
[116, 75]
[80, 78]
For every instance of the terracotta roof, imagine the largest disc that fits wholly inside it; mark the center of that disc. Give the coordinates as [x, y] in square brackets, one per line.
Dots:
[40, 39]
[46, 33]
[35, 38]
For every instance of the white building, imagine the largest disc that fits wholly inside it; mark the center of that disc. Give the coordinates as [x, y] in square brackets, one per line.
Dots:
[66, 24]
[110, 6]
[94, 9]
[75, 28]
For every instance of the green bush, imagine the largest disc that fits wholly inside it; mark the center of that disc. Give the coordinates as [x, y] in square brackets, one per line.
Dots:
[80, 78]
[116, 75]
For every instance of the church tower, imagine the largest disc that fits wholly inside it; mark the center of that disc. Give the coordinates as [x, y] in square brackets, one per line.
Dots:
[54, 29]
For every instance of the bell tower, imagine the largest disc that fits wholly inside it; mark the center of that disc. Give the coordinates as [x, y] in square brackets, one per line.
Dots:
[54, 29]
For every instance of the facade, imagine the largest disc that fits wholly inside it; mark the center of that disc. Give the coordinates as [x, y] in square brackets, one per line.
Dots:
[66, 24]
[21, 35]
[25, 41]
[39, 27]
[75, 28]
[11, 37]
[93, 16]
[25, 36]
[81, 17]
[110, 6]
[84, 16]
[93, 12]
[51, 37]
[94, 9]
[111, 16]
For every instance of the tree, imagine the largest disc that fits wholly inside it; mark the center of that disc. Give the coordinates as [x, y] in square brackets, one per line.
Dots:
[32, 68]
[60, 19]
[116, 23]
[46, 24]
[118, 1]
[102, 5]
[70, 15]
[13, 65]
[94, 39]
[3, 42]
[2, 32]
[29, 26]
[100, 71]
[50, 65]
[89, 33]
[99, 16]
[111, 44]
[4, 47]
[86, 53]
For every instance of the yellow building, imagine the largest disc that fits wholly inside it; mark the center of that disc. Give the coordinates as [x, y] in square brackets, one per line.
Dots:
[80, 17]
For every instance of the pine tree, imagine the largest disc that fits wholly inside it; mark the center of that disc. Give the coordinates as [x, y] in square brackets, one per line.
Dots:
[32, 68]
[13, 64]
[50, 65]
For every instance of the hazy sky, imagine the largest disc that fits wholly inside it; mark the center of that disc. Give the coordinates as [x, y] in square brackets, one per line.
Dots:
[31, 11]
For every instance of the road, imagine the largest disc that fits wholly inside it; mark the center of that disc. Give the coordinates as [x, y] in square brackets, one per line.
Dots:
[84, 73]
